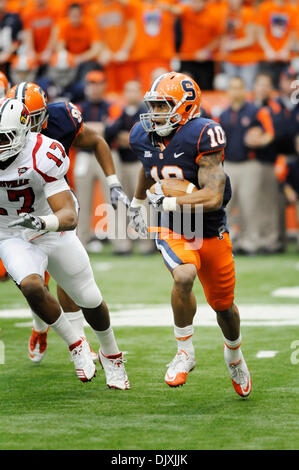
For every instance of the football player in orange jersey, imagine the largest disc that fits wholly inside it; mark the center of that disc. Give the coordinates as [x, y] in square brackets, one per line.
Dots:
[172, 140]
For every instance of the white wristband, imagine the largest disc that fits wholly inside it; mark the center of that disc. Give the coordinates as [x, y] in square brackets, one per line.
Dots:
[137, 202]
[169, 204]
[112, 180]
[51, 222]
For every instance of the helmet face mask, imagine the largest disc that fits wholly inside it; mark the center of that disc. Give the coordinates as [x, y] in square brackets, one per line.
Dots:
[180, 93]
[38, 118]
[14, 128]
[163, 123]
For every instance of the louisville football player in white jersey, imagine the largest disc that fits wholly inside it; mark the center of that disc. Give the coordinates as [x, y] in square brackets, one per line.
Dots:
[37, 222]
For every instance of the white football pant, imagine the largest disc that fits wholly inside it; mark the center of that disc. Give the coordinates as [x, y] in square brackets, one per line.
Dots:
[62, 255]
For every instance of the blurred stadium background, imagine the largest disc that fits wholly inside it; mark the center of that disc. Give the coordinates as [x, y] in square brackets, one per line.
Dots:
[103, 55]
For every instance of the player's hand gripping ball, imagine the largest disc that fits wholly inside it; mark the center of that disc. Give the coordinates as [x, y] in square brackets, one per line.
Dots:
[171, 187]
[138, 220]
[174, 187]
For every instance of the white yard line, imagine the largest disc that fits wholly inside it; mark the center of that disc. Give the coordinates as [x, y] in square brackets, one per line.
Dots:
[266, 354]
[161, 315]
[291, 292]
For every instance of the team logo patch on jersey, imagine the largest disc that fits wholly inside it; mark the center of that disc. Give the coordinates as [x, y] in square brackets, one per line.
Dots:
[147, 154]
[22, 170]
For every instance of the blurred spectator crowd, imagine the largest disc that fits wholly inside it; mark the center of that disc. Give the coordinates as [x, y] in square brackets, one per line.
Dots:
[104, 54]
[131, 39]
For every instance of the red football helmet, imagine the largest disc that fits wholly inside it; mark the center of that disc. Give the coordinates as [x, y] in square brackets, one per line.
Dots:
[182, 96]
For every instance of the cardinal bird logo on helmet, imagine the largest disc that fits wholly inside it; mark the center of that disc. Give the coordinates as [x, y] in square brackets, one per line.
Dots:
[24, 116]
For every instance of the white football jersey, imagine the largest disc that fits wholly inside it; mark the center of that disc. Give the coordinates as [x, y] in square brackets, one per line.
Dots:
[23, 182]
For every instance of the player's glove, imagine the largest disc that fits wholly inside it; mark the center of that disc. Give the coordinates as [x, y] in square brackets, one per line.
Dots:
[116, 192]
[29, 221]
[137, 214]
[156, 199]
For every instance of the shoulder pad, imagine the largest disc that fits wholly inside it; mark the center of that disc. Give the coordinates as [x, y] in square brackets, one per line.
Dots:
[70, 113]
[49, 158]
[136, 134]
[211, 138]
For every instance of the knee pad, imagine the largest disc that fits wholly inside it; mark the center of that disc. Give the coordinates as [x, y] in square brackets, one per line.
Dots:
[85, 291]
[91, 296]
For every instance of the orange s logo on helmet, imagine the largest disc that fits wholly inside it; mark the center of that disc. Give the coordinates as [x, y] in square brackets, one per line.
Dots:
[183, 89]
[180, 92]
[35, 100]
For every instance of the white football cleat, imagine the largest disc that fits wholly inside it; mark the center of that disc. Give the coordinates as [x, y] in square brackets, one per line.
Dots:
[178, 368]
[93, 354]
[114, 368]
[84, 365]
[240, 376]
[37, 345]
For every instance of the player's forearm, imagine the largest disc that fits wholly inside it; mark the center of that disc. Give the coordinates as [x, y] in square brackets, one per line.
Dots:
[143, 184]
[104, 157]
[64, 215]
[209, 200]
[67, 220]
[91, 140]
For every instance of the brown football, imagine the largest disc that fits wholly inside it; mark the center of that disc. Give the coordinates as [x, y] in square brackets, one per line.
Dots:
[173, 187]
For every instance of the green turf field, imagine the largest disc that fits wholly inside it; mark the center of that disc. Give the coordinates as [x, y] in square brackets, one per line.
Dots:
[46, 407]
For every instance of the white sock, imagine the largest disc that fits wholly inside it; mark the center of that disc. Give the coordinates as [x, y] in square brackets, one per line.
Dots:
[232, 350]
[76, 319]
[38, 324]
[184, 338]
[65, 330]
[107, 341]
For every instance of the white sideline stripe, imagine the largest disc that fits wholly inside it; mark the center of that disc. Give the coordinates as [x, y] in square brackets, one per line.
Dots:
[291, 292]
[161, 315]
[102, 266]
[266, 354]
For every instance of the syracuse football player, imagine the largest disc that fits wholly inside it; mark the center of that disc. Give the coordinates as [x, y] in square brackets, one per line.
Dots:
[173, 141]
[63, 121]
